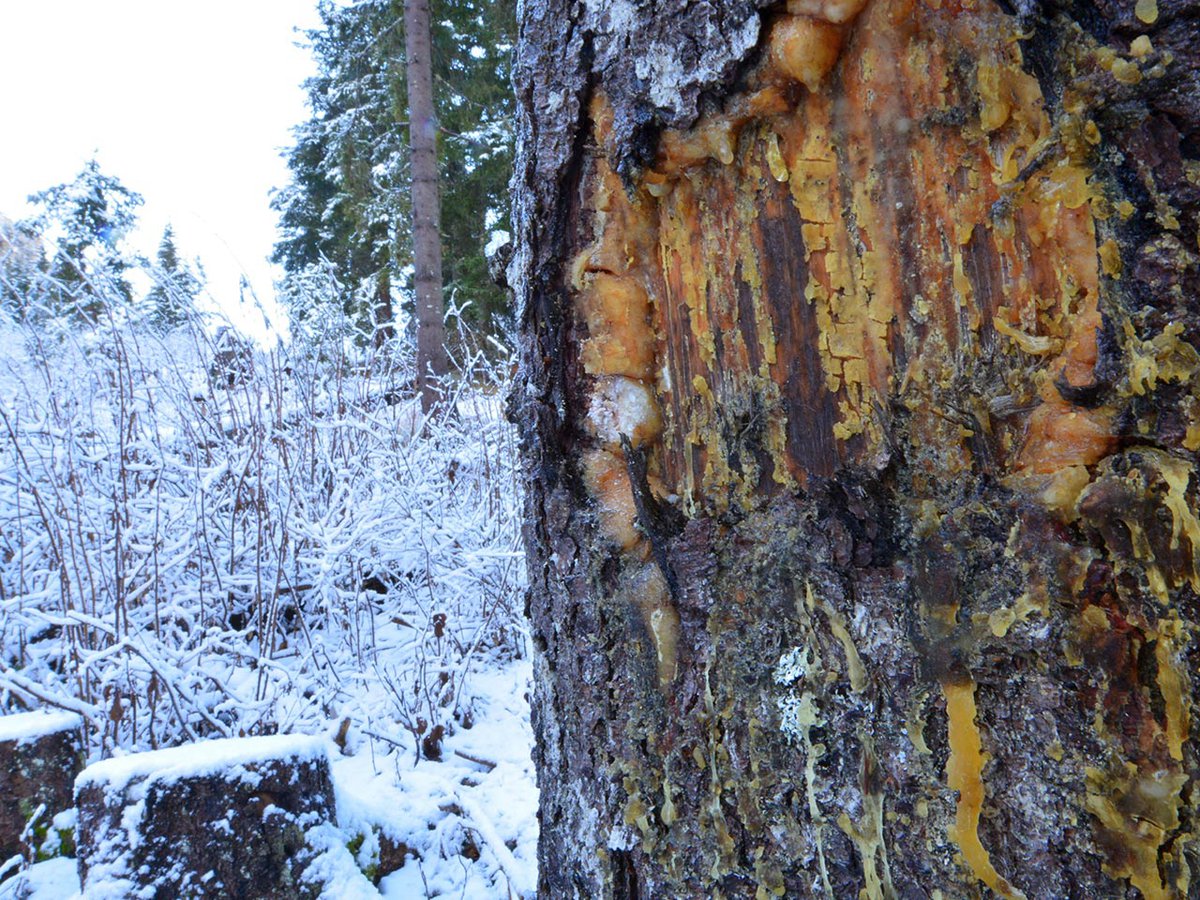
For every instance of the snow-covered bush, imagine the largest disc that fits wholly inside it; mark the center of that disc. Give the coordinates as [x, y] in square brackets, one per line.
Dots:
[184, 554]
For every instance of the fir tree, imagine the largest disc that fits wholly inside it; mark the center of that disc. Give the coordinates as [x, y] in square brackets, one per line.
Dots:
[347, 207]
[88, 217]
[171, 300]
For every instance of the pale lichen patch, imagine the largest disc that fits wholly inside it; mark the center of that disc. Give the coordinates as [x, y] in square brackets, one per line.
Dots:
[798, 715]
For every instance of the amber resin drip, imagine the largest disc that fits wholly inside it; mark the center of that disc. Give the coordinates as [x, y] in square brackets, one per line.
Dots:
[964, 773]
[610, 278]
[883, 206]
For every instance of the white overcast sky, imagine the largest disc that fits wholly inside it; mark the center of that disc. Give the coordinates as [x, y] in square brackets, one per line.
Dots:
[187, 103]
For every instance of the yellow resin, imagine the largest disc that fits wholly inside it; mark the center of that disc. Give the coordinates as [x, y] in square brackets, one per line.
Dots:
[1137, 811]
[607, 481]
[805, 49]
[964, 773]
[1173, 684]
[620, 343]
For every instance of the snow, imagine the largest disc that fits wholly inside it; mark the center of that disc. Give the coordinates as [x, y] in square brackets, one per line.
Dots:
[482, 791]
[335, 869]
[499, 238]
[26, 728]
[54, 879]
[203, 758]
[303, 555]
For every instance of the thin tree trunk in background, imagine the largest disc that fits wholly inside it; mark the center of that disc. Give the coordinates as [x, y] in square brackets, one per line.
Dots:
[432, 362]
[384, 317]
[860, 406]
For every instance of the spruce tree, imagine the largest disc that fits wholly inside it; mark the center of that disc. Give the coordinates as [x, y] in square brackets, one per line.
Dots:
[472, 43]
[171, 300]
[88, 216]
[432, 362]
[339, 210]
[346, 209]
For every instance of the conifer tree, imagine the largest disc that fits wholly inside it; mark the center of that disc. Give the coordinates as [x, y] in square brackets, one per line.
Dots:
[23, 268]
[88, 217]
[432, 362]
[347, 208]
[339, 210]
[171, 299]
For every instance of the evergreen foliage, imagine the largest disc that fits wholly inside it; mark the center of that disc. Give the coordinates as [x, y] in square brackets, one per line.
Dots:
[23, 269]
[88, 217]
[171, 300]
[346, 208]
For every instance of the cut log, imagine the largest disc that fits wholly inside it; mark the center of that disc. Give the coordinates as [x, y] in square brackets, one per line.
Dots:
[40, 755]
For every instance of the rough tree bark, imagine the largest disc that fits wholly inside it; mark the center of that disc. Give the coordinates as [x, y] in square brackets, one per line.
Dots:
[432, 363]
[860, 399]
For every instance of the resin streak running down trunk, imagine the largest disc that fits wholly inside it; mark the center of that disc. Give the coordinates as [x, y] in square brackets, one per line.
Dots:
[861, 405]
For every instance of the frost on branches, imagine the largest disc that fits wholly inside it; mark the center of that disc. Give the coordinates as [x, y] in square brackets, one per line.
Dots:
[190, 553]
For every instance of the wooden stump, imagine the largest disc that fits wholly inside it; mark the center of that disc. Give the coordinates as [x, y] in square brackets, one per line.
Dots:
[40, 755]
[216, 819]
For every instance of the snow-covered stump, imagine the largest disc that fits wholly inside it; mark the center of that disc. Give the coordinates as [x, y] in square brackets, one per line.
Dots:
[40, 755]
[222, 818]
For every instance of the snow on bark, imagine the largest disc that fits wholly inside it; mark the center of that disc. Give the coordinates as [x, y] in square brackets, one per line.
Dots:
[28, 727]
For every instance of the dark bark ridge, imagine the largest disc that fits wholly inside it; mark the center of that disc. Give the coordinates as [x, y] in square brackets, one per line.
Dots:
[929, 628]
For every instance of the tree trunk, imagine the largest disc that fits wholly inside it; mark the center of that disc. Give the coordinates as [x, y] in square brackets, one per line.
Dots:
[383, 317]
[861, 408]
[432, 363]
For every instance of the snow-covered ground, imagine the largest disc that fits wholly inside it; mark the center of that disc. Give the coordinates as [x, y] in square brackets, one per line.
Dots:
[469, 821]
[278, 543]
[480, 799]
